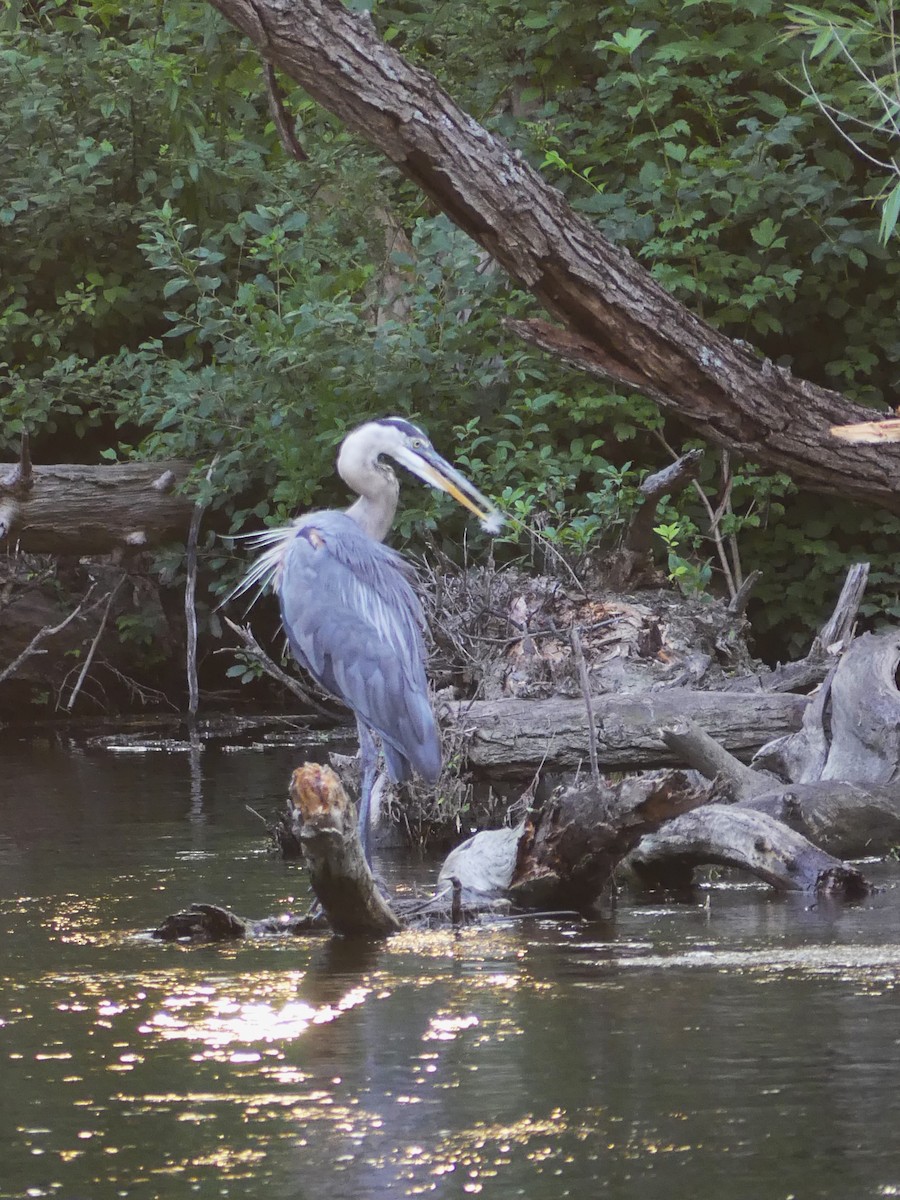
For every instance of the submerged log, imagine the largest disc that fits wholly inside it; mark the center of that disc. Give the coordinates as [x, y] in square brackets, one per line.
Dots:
[571, 848]
[563, 855]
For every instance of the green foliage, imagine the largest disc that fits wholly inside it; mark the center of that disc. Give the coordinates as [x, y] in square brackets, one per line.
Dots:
[864, 105]
[172, 284]
[690, 576]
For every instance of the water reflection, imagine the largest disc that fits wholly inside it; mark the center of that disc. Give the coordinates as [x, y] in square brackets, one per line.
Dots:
[746, 1047]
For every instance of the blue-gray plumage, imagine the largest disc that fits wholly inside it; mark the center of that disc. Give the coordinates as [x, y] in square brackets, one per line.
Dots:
[348, 607]
[339, 590]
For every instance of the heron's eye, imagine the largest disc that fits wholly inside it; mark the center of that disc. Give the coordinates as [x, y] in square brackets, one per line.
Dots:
[418, 443]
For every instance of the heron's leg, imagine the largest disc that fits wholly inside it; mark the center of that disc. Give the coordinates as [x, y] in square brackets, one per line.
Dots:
[368, 765]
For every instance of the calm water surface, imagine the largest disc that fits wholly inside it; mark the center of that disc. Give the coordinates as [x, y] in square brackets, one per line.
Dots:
[746, 1047]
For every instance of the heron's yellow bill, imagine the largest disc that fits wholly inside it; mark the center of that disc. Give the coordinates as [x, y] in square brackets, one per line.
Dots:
[430, 467]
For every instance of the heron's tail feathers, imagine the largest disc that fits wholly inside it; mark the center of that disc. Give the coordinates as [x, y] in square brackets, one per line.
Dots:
[265, 569]
[423, 759]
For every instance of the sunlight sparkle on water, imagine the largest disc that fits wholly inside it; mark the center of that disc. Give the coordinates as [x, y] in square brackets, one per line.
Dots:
[219, 1020]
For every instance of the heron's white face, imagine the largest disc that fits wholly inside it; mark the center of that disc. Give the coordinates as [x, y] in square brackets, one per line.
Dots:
[408, 445]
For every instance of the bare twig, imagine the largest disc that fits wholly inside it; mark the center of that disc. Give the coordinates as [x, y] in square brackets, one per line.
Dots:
[89, 658]
[731, 570]
[46, 632]
[282, 121]
[552, 631]
[190, 595]
[253, 650]
[138, 691]
[586, 692]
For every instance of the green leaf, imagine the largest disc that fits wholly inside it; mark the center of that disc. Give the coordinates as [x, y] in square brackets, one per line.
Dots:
[765, 233]
[173, 286]
[889, 213]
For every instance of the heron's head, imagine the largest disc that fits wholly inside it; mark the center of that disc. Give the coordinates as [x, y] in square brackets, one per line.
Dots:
[408, 445]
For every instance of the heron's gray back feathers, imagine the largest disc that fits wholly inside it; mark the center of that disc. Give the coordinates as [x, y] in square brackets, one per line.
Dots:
[354, 621]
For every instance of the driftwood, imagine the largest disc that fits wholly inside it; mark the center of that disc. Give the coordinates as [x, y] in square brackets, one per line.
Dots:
[564, 854]
[638, 644]
[836, 781]
[787, 820]
[84, 510]
[730, 837]
[559, 861]
[851, 820]
[617, 322]
[832, 638]
[561, 857]
[852, 730]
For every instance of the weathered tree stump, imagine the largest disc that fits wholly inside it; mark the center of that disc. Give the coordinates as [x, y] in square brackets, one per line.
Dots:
[338, 871]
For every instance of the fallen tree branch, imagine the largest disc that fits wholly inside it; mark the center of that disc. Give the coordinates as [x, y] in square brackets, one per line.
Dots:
[618, 322]
[695, 748]
[833, 637]
[253, 650]
[89, 657]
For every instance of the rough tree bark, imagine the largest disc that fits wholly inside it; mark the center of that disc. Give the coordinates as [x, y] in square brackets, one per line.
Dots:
[515, 737]
[85, 510]
[618, 323]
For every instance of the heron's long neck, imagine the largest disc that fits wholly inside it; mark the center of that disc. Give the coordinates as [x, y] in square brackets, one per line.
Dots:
[377, 487]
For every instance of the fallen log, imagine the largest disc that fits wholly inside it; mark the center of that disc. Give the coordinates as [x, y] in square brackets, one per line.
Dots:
[837, 780]
[89, 510]
[850, 820]
[513, 737]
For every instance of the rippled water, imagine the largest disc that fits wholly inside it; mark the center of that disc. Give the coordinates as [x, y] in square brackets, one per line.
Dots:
[745, 1047]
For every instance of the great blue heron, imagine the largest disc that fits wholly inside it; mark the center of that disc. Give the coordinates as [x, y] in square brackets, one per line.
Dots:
[349, 610]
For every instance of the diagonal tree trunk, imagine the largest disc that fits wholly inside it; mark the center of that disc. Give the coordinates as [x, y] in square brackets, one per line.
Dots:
[617, 322]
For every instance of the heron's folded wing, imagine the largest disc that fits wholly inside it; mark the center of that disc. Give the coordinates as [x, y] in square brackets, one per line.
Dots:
[354, 621]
